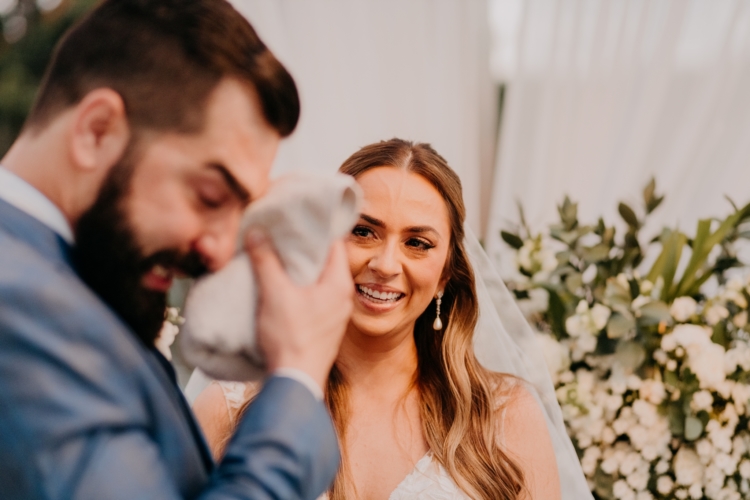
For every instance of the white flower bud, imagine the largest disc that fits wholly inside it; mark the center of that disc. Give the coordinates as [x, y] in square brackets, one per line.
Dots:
[664, 485]
[683, 308]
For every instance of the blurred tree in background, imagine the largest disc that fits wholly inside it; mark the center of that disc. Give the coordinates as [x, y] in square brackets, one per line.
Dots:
[30, 30]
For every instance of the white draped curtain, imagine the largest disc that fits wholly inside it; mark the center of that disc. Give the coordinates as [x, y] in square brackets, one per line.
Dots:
[603, 95]
[373, 70]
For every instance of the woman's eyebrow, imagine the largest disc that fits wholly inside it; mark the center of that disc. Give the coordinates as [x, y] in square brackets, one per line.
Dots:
[372, 220]
[421, 229]
[413, 229]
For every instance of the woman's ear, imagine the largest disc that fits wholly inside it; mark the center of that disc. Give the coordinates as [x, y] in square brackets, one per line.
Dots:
[100, 131]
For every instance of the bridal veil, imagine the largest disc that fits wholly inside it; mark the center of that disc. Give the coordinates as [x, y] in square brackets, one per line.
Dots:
[504, 342]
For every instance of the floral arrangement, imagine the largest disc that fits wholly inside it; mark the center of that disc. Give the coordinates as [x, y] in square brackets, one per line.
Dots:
[650, 358]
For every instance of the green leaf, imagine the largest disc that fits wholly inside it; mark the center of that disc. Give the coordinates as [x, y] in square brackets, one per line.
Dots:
[556, 312]
[703, 243]
[628, 215]
[667, 262]
[511, 239]
[568, 214]
[616, 295]
[676, 420]
[595, 254]
[693, 428]
[619, 325]
[573, 282]
[654, 313]
[630, 356]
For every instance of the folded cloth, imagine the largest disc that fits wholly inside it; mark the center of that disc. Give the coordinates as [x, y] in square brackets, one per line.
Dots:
[302, 214]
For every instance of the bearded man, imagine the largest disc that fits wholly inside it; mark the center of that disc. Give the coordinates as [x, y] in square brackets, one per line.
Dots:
[156, 124]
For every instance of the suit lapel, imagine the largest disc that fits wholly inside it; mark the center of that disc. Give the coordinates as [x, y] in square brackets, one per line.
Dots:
[52, 247]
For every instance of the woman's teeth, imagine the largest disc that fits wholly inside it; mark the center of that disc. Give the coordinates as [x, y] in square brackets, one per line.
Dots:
[381, 296]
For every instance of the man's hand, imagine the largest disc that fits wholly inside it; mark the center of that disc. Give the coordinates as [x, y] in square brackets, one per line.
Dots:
[300, 327]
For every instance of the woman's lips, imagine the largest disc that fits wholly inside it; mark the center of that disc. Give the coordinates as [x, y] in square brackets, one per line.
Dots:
[378, 299]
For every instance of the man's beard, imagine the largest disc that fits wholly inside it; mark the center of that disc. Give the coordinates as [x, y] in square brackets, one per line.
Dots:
[109, 260]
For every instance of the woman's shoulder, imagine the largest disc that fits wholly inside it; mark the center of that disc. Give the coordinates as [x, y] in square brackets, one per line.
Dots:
[524, 435]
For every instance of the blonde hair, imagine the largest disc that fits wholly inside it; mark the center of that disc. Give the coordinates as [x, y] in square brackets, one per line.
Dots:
[456, 393]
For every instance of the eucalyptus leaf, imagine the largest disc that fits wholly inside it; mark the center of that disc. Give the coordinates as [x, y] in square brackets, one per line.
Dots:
[628, 215]
[655, 312]
[629, 356]
[615, 294]
[693, 428]
[676, 420]
[595, 254]
[511, 239]
[573, 282]
[620, 325]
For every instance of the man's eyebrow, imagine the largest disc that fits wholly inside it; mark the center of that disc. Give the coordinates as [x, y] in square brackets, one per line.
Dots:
[238, 189]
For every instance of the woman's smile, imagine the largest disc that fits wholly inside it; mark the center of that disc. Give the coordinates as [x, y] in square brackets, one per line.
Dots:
[378, 298]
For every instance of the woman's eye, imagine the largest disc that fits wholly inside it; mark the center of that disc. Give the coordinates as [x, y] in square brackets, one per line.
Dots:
[419, 244]
[361, 231]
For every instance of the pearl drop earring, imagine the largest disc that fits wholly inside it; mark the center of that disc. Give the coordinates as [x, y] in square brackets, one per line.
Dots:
[438, 324]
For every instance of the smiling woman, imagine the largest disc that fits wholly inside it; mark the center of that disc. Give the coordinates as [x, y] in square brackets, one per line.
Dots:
[417, 415]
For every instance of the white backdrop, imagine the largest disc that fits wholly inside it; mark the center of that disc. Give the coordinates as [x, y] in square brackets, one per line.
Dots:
[603, 95]
[372, 70]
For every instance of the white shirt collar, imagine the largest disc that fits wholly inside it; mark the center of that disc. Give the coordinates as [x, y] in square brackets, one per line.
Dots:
[30, 200]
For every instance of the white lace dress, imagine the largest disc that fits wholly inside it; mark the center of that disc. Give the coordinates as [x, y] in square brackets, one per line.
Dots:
[427, 481]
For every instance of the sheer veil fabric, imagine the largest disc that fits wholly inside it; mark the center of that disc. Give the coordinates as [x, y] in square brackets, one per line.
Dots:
[504, 342]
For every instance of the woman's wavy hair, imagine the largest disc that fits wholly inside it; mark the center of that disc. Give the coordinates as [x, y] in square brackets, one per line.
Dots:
[458, 396]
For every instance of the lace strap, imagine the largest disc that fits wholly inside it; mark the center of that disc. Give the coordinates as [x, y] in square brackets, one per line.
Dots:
[235, 396]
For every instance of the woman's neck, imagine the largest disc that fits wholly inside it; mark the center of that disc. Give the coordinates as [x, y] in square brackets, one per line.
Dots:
[387, 363]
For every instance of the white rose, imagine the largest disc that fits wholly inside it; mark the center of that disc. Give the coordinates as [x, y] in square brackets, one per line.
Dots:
[696, 491]
[622, 491]
[702, 400]
[664, 485]
[586, 343]
[687, 467]
[715, 313]
[688, 335]
[575, 325]
[600, 315]
[555, 354]
[683, 308]
[638, 480]
[653, 391]
[644, 495]
[589, 274]
[707, 363]
[744, 469]
[668, 342]
[166, 338]
[740, 320]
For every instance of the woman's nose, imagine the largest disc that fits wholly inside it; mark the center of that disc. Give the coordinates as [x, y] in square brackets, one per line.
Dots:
[385, 262]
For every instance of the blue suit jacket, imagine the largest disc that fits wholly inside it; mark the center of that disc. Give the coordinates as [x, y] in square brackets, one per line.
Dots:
[86, 411]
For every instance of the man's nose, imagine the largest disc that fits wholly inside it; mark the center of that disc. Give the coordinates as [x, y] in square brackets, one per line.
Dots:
[385, 261]
[216, 248]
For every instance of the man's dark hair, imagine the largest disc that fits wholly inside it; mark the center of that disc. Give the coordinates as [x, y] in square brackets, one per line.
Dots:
[164, 57]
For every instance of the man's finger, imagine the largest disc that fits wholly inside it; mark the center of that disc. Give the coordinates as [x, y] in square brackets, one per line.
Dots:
[266, 264]
[337, 272]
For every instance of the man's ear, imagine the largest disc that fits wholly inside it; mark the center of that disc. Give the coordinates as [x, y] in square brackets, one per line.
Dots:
[100, 131]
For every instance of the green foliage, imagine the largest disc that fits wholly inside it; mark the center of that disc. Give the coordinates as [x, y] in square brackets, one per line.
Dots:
[22, 64]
